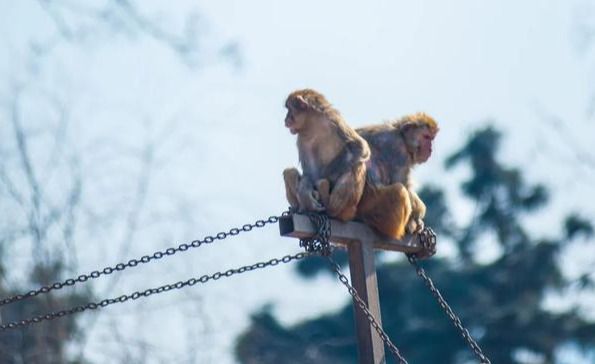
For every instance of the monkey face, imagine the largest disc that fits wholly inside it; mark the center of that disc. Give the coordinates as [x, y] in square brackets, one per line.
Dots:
[424, 146]
[296, 117]
[418, 140]
[295, 121]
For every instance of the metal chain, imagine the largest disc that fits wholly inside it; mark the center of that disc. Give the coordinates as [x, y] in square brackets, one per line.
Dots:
[152, 291]
[427, 238]
[320, 243]
[448, 310]
[145, 259]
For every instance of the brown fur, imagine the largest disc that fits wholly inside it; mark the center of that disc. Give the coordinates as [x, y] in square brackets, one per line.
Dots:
[389, 203]
[332, 156]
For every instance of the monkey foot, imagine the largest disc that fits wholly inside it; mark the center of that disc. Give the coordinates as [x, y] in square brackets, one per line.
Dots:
[414, 226]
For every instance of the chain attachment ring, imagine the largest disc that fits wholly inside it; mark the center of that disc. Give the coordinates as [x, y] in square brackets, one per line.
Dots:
[319, 243]
[427, 239]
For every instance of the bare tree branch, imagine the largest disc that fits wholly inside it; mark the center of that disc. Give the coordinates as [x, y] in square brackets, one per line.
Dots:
[33, 184]
[49, 186]
[582, 156]
[123, 16]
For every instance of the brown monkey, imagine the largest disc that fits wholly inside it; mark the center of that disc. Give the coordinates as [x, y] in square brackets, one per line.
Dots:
[332, 156]
[389, 203]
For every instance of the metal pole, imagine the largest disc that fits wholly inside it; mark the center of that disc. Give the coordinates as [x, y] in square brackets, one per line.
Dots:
[361, 242]
[363, 279]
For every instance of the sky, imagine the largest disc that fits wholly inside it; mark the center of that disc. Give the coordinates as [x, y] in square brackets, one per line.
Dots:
[221, 145]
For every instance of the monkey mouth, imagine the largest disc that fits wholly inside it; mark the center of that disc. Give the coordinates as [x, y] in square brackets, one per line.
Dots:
[290, 124]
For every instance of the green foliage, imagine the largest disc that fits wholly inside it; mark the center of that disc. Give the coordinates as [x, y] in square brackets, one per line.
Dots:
[575, 225]
[501, 302]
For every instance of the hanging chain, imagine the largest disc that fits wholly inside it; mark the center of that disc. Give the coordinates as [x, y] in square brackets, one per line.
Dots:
[151, 291]
[320, 243]
[145, 259]
[448, 310]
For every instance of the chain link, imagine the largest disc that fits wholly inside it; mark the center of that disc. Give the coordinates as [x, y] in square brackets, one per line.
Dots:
[151, 291]
[143, 260]
[448, 310]
[427, 238]
[320, 243]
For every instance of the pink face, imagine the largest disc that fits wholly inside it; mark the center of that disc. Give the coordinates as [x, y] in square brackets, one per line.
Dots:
[424, 149]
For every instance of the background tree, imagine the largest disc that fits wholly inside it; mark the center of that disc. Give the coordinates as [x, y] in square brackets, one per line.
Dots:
[52, 163]
[501, 301]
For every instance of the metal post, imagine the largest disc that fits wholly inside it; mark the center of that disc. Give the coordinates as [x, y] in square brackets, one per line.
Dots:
[363, 279]
[361, 242]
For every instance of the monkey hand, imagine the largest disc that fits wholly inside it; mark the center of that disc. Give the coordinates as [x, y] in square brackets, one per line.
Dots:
[311, 201]
[415, 225]
[308, 197]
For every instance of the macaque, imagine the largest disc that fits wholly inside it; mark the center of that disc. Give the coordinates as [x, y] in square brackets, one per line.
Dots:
[332, 156]
[389, 204]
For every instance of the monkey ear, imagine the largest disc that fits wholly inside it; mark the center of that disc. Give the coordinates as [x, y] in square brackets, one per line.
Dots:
[300, 103]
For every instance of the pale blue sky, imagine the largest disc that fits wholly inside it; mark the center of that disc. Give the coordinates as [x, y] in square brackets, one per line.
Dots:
[464, 62]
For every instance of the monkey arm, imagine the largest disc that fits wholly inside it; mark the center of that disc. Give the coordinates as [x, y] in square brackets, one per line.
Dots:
[418, 206]
[323, 186]
[358, 149]
[300, 191]
[291, 176]
[418, 212]
[308, 197]
[346, 193]
[345, 177]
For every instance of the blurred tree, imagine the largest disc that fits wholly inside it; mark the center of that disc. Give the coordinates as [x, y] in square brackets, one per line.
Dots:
[88, 22]
[38, 218]
[500, 302]
[46, 185]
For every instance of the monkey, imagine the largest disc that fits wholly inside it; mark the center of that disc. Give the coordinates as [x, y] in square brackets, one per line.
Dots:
[389, 204]
[332, 156]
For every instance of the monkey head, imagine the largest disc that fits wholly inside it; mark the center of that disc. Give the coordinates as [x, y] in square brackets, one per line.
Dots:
[419, 133]
[296, 118]
[301, 105]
